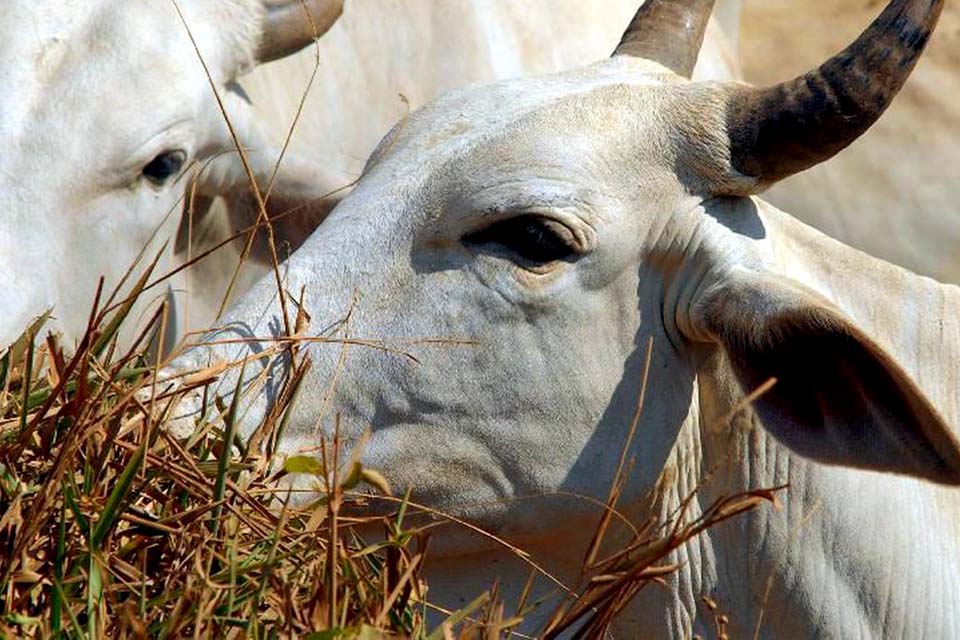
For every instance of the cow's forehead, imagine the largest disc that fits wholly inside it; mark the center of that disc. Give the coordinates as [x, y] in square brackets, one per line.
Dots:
[554, 141]
[515, 114]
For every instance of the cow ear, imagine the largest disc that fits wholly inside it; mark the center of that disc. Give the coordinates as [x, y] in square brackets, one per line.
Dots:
[301, 196]
[838, 397]
[299, 201]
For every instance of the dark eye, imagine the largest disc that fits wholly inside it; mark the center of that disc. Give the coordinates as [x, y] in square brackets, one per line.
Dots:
[164, 166]
[535, 239]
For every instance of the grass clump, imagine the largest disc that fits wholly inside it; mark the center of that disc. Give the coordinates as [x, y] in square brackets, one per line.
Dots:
[111, 527]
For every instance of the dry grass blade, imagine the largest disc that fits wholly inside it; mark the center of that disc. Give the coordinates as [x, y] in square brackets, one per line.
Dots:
[620, 578]
[254, 187]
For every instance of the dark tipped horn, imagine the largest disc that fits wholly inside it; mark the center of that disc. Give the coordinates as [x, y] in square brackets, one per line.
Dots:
[290, 25]
[669, 32]
[778, 131]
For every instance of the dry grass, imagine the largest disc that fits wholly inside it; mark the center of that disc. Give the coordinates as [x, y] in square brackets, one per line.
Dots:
[109, 527]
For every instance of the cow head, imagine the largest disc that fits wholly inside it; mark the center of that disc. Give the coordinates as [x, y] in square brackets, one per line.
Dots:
[525, 241]
[106, 108]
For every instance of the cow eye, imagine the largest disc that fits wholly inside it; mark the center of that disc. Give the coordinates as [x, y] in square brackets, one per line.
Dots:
[164, 166]
[532, 238]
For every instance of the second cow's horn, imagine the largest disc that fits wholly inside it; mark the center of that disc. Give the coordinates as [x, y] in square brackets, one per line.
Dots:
[669, 32]
[290, 25]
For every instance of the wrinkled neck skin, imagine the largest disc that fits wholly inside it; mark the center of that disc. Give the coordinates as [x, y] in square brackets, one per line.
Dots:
[846, 541]
[851, 553]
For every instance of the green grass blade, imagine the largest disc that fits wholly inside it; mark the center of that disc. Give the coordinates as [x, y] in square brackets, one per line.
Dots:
[56, 601]
[219, 489]
[69, 498]
[94, 595]
[74, 623]
[112, 509]
[4, 370]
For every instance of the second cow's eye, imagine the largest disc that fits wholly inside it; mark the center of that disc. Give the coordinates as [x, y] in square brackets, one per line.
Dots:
[165, 166]
[534, 239]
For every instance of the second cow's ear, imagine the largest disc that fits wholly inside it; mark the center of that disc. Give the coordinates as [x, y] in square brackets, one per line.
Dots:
[300, 198]
[838, 397]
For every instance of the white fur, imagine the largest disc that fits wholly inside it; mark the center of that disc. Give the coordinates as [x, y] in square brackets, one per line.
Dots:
[104, 85]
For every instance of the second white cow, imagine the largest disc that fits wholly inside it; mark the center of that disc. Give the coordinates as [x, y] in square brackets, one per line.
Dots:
[106, 108]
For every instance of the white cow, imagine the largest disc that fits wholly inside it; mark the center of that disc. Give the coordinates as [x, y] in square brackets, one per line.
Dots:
[105, 106]
[555, 225]
[384, 58]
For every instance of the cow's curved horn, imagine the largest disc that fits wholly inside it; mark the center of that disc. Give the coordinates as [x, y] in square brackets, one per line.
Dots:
[779, 131]
[669, 32]
[290, 25]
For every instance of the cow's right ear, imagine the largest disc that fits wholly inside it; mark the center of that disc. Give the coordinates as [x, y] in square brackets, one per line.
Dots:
[838, 397]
